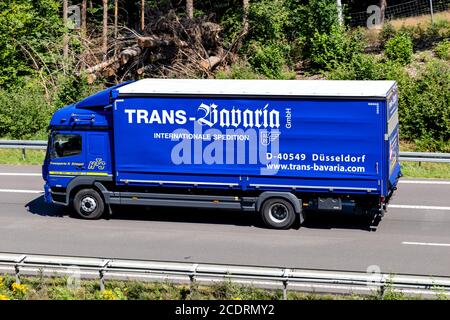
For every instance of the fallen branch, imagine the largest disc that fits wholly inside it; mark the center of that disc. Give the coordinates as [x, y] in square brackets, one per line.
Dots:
[210, 63]
[102, 65]
[153, 42]
[129, 53]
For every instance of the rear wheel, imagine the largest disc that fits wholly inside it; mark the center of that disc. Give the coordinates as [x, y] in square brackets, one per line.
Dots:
[278, 213]
[88, 204]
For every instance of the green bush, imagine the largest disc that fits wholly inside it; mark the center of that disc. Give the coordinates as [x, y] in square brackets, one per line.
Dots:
[426, 115]
[231, 22]
[399, 48]
[268, 59]
[268, 20]
[337, 47]
[361, 67]
[24, 112]
[318, 16]
[239, 70]
[313, 27]
[27, 30]
[442, 50]
[424, 100]
[387, 32]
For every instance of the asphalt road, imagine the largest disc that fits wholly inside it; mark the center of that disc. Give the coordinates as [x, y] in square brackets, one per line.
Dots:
[413, 237]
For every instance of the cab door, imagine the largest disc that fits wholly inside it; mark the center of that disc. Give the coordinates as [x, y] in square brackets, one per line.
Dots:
[67, 158]
[98, 153]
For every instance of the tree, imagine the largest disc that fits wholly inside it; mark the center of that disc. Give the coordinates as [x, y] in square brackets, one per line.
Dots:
[190, 9]
[142, 15]
[105, 28]
[383, 9]
[66, 37]
[83, 18]
[30, 33]
[245, 8]
[116, 19]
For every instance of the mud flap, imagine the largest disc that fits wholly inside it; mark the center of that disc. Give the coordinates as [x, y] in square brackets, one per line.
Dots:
[375, 218]
[301, 217]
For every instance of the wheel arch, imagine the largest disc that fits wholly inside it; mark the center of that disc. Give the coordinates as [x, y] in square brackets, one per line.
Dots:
[86, 182]
[263, 197]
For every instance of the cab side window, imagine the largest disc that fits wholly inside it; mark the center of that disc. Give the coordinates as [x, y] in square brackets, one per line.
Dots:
[65, 145]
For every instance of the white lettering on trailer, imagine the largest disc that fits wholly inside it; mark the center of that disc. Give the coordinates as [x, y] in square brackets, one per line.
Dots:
[211, 115]
[163, 117]
[130, 113]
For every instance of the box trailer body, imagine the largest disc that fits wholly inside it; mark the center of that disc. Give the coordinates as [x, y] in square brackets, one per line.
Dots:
[275, 147]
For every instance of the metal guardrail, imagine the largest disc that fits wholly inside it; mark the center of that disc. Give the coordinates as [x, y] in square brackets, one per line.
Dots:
[23, 144]
[318, 281]
[425, 157]
[404, 156]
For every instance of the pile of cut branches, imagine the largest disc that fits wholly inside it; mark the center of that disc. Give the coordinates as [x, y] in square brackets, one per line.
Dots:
[170, 46]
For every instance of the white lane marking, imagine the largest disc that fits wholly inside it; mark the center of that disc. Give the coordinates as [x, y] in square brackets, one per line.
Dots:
[20, 191]
[423, 182]
[406, 206]
[28, 174]
[427, 244]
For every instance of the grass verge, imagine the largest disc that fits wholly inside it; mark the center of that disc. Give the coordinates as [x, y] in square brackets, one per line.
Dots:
[15, 157]
[426, 170]
[56, 288]
[424, 20]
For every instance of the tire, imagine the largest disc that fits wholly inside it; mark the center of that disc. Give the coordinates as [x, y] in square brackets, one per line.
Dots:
[88, 204]
[278, 213]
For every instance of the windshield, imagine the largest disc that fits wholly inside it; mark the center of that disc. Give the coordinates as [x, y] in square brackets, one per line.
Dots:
[65, 145]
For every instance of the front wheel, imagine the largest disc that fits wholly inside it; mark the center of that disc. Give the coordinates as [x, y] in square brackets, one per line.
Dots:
[278, 213]
[88, 204]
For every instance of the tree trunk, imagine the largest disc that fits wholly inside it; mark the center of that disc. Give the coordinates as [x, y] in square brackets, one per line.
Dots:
[383, 5]
[190, 9]
[210, 63]
[116, 20]
[83, 18]
[66, 37]
[142, 15]
[105, 28]
[245, 7]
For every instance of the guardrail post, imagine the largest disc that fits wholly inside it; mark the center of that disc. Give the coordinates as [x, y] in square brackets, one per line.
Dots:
[192, 280]
[285, 283]
[102, 280]
[382, 290]
[17, 268]
[102, 275]
[24, 155]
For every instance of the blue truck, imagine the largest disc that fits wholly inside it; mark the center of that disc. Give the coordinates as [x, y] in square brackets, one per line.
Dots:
[276, 147]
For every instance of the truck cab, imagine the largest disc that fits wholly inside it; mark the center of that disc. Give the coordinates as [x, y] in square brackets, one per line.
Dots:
[79, 153]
